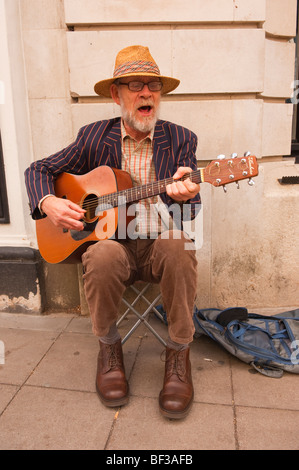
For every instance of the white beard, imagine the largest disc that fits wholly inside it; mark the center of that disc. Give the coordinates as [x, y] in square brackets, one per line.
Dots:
[145, 125]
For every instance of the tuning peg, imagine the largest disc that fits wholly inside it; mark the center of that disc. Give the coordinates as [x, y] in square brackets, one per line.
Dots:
[237, 183]
[221, 157]
[247, 154]
[251, 182]
[234, 155]
[224, 189]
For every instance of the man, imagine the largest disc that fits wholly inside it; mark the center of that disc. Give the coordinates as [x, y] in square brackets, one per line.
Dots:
[149, 149]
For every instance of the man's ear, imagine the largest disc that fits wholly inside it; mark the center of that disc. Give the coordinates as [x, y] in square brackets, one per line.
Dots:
[114, 93]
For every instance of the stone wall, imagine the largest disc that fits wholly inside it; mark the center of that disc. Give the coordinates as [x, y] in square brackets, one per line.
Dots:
[235, 60]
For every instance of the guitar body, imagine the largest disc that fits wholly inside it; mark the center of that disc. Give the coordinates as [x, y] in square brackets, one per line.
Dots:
[58, 245]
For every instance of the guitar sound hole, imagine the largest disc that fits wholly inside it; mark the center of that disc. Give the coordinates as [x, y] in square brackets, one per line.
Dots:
[90, 204]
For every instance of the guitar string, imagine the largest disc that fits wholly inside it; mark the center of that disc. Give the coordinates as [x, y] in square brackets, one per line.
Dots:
[134, 193]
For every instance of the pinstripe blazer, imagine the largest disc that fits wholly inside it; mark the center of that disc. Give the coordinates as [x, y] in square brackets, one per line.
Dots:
[99, 143]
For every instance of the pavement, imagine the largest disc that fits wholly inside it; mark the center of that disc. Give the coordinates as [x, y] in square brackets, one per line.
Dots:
[48, 399]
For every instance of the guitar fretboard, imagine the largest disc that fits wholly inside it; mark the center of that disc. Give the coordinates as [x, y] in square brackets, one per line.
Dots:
[145, 191]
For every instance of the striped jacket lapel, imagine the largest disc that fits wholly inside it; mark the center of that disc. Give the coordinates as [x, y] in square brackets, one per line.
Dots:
[161, 152]
[112, 146]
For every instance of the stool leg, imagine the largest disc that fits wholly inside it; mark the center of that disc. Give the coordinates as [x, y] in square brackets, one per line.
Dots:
[142, 318]
[140, 294]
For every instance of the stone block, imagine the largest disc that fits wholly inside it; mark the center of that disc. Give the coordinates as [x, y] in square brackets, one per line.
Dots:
[249, 10]
[206, 61]
[42, 14]
[46, 64]
[247, 118]
[107, 12]
[281, 16]
[277, 129]
[175, 11]
[279, 68]
[51, 126]
[61, 288]
[219, 60]
[222, 126]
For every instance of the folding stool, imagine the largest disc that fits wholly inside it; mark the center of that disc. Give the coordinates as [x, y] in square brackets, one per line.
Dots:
[142, 316]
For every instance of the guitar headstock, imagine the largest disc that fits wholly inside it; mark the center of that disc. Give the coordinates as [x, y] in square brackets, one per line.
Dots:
[224, 171]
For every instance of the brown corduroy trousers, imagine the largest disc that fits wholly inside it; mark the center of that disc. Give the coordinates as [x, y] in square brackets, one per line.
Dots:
[111, 266]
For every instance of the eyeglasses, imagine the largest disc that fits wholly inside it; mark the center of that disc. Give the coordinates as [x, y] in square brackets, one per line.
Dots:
[138, 86]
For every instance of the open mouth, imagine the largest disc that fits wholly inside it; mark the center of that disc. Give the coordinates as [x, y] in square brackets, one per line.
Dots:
[145, 110]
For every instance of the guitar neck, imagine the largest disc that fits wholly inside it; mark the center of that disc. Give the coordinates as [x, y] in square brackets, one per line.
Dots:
[218, 173]
[145, 191]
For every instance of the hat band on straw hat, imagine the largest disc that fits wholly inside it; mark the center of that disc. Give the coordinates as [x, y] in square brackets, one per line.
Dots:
[139, 66]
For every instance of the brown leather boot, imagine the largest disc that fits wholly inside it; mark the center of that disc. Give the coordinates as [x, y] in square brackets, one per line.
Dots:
[111, 384]
[176, 397]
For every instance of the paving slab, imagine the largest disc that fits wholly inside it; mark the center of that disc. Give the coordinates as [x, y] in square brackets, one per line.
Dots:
[24, 349]
[7, 393]
[140, 426]
[48, 419]
[70, 364]
[267, 429]
[254, 389]
[211, 372]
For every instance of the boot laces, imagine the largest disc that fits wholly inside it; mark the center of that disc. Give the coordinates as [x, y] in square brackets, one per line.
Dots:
[114, 359]
[175, 365]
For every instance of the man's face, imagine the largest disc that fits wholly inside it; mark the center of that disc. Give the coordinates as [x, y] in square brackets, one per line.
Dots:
[139, 108]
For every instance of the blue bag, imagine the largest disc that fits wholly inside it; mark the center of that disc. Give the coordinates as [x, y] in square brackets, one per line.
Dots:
[269, 343]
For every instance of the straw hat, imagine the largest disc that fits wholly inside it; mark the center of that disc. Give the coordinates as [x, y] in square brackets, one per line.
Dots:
[135, 61]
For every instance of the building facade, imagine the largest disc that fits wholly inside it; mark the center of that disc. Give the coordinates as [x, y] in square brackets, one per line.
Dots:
[237, 62]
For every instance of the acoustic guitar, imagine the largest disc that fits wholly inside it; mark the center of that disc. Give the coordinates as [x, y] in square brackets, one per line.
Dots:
[105, 191]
